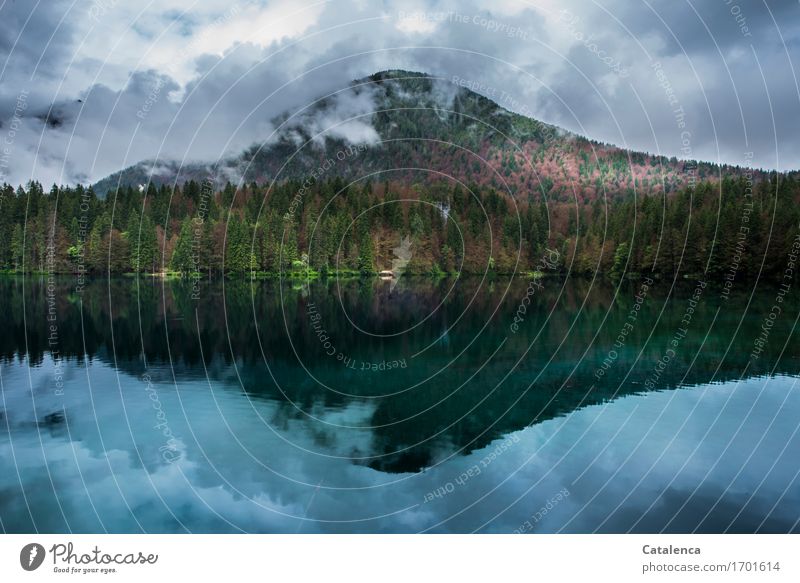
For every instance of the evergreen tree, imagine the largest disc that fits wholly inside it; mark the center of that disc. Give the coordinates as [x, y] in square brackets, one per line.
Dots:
[366, 254]
[182, 257]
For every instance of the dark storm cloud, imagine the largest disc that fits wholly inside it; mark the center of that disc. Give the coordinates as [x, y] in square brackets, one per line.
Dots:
[146, 89]
[715, 78]
[33, 49]
[698, 27]
[30, 35]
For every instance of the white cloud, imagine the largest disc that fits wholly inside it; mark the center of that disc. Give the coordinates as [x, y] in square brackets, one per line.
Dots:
[231, 68]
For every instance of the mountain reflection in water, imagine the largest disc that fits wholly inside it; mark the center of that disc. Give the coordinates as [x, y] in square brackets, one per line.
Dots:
[355, 406]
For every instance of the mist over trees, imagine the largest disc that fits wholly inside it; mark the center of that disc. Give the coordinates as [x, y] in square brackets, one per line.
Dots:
[732, 226]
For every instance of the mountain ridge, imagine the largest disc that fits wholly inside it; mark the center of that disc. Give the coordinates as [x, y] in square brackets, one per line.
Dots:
[434, 126]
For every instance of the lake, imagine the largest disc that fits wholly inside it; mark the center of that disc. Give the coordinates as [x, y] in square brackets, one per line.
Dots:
[415, 405]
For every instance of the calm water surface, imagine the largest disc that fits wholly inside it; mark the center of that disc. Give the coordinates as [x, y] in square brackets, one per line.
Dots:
[355, 406]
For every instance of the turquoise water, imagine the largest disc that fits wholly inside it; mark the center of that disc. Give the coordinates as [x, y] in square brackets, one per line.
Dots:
[356, 406]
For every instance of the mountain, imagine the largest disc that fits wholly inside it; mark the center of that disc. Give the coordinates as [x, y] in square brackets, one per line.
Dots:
[410, 127]
[354, 181]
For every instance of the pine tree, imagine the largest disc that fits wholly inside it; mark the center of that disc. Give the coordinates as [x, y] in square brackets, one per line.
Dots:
[182, 257]
[17, 248]
[366, 254]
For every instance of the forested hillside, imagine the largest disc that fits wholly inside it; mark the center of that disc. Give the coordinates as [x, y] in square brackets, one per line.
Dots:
[468, 185]
[415, 129]
[714, 228]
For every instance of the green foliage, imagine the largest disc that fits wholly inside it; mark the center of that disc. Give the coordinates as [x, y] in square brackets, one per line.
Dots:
[620, 259]
[725, 229]
[183, 259]
[366, 254]
[142, 243]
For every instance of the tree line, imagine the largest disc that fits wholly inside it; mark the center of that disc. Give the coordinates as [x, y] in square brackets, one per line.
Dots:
[733, 226]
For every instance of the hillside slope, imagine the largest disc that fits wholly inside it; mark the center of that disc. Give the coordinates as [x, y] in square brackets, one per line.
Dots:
[410, 127]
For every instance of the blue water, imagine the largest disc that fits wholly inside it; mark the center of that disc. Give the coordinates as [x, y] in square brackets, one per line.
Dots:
[140, 438]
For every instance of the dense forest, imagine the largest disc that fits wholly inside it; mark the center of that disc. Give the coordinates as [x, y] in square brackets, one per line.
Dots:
[306, 205]
[727, 227]
[425, 128]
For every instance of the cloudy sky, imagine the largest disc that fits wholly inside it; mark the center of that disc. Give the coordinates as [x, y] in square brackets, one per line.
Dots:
[89, 87]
